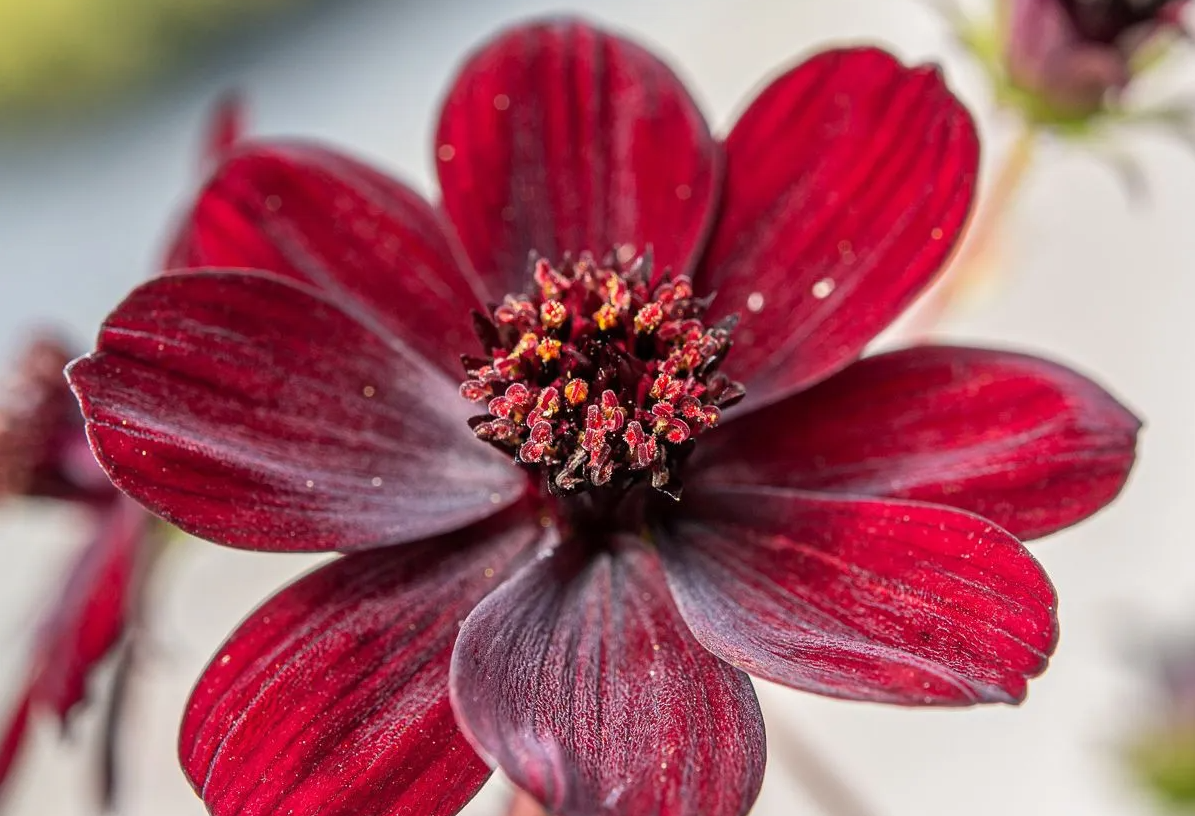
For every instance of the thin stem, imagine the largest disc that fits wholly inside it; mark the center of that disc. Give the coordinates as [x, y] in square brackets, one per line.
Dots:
[967, 267]
[833, 795]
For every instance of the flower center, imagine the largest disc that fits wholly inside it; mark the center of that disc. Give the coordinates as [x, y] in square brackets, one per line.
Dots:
[603, 375]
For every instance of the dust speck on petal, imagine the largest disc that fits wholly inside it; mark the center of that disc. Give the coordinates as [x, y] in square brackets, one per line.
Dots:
[823, 288]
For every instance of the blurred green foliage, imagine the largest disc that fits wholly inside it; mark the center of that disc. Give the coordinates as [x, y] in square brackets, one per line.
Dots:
[65, 54]
[1166, 763]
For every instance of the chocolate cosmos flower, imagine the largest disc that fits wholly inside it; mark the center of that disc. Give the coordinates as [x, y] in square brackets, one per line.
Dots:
[565, 555]
[44, 453]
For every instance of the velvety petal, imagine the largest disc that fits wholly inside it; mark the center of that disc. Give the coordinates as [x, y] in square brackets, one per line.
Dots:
[86, 622]
[254, 412]
[1024, 442]
[332, 697]
[847, 184]
[580, 680]
[557, 137]
[895, 602]
[92, 608]
[371, 244]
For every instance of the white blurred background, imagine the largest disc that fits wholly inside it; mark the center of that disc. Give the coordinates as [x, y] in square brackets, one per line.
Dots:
[1089, 278]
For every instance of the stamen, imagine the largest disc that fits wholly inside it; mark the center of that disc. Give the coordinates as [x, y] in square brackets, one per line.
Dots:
[604, 375]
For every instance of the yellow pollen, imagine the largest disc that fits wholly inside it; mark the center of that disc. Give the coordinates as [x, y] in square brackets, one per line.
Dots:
[549, 349]
[549, 403]
[576, 391]
[606, 317]
[526, 343]
[509, 366]
[549, 291]
[552, 314]
[649, 318]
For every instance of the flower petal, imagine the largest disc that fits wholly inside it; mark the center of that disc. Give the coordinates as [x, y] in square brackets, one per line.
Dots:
[1024, 442]
[16, 729]
[253, 412]
[848, 182]
[582, 683]
[332, 697]
[89, 619]
[370, 243]
[894, 602]
[589, 142]
[43, 450]
[86, 623]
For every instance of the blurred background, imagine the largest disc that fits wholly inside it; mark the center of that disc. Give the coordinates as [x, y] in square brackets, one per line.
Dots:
[103, 109]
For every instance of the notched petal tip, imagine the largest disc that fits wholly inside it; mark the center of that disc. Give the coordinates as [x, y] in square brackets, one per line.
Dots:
[1024, 442]
[852, 214]
[895, 602]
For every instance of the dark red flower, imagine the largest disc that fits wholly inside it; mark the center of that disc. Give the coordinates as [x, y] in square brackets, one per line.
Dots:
[849, 527]
[44, 452]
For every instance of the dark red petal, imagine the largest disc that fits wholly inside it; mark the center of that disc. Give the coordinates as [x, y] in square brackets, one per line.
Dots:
[43, 450]
[332, 697]
[92, 610]
[848, 182]
[581, 681]
[225, 128]
[557, 137]
[371, 244]
[1026, 443]
[894, 602]
[87, 621]
[253, 412]
[15, 730]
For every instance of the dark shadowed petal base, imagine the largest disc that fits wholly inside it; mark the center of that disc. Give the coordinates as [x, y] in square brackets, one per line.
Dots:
[332, 698]
[581, 681]
[887, 601]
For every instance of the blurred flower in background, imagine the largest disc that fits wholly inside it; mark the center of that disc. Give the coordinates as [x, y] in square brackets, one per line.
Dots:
[1066, 64]
[44, 454]
[1062, 69]
[61, 54]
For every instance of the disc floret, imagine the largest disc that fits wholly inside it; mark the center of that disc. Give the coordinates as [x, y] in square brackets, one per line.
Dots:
[603, 375]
